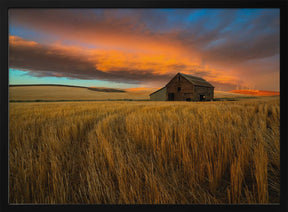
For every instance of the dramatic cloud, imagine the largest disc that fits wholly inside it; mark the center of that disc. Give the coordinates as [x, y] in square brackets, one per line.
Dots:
[117, 66]
[256, 39]
[230, 48]
[71, 62]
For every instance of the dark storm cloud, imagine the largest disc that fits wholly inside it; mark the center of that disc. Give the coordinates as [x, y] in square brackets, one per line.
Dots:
[230, 41]
[41, 60]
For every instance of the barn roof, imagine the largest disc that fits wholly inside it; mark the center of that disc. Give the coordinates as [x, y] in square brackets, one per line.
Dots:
[196, 80]
[157, 91]
[192, 79]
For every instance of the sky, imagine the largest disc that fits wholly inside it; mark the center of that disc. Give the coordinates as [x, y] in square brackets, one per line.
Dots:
[132, 48]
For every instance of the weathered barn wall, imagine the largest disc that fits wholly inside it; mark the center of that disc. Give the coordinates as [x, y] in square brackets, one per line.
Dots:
[186, 90]
[160, 95]
[206, 91]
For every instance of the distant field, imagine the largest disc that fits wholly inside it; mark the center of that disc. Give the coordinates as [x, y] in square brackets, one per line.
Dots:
[145, 152]
[69, 93]
[22, 93]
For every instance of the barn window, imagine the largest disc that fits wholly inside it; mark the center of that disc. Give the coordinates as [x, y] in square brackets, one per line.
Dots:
[202, 97]
[178, 77]
[179, 89]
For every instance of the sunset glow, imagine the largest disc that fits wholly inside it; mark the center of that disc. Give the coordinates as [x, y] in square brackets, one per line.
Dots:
[256, 92]
[131, 48]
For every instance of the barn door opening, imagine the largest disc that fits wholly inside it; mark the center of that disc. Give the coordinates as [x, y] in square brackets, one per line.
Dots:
[202, 97]
[170, 96]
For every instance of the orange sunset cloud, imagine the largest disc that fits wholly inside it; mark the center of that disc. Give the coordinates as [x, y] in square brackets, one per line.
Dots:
[89, 62]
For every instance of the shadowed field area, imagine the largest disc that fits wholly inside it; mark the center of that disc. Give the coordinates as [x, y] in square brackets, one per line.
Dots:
[145, 152]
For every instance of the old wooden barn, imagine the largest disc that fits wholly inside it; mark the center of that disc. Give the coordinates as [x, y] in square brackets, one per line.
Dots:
[183, 87]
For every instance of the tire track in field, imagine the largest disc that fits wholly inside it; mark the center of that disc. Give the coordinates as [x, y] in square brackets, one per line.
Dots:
[93, 168]
[77, 153]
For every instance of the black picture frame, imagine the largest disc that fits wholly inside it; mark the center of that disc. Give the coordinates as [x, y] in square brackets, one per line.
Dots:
[5, 5]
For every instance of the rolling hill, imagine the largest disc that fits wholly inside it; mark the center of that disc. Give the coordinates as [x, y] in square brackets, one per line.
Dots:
[75, 93]
[63, 92]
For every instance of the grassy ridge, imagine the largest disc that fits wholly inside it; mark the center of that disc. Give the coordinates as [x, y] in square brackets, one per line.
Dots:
[53, 93]
[145, 152]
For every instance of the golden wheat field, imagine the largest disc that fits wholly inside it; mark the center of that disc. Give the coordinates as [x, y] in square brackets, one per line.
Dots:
[145, 152]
